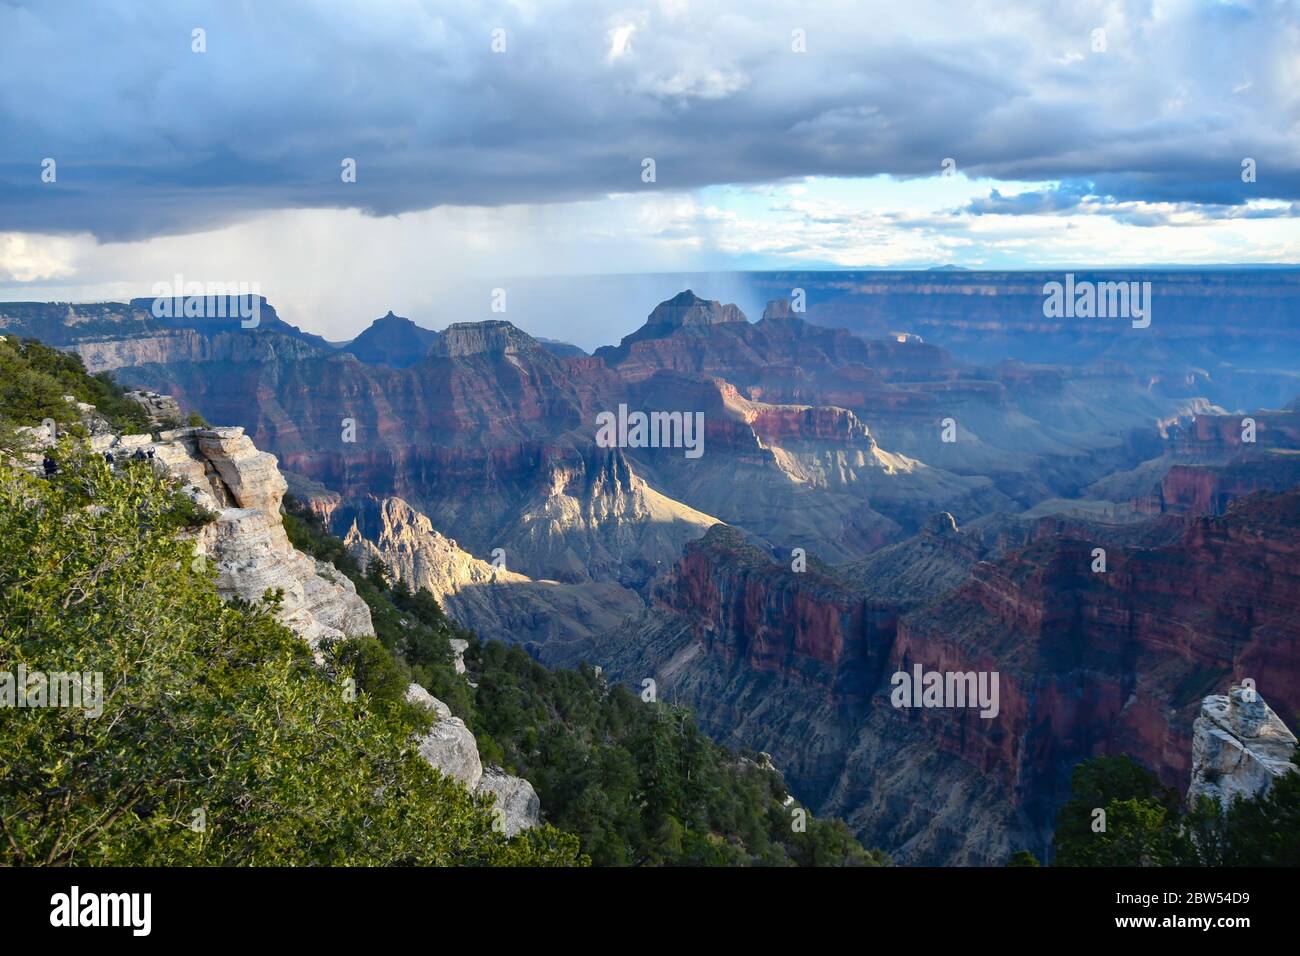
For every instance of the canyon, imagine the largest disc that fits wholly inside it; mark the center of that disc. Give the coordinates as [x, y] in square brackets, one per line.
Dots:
[923, 485]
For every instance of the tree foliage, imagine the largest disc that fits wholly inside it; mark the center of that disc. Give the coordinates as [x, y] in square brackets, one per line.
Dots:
[1147, 825]
[640, 782]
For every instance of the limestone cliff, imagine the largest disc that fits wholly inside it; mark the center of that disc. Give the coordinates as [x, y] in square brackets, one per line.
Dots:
[226, 474]
[223, 472]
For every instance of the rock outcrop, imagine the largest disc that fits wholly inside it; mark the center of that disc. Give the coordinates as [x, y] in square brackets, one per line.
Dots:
[161, 409]
[226, 474]
[170, 346]
[450, 747]
[1239, 747]
[463, 339]
[517, 805]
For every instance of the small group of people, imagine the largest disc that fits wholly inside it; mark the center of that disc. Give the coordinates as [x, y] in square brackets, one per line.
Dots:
[51, 467]
[140, 454]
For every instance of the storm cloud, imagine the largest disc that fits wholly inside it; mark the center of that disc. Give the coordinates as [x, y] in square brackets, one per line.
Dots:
[151, 138]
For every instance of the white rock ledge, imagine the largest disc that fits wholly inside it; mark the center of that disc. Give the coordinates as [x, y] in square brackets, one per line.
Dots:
[1239, 747]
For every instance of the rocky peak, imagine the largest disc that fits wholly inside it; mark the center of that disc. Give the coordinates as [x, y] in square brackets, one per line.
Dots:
[390, 519]
[404, 540]
[392, 340]
[391, 320]
[478, 338]
[477, 593]
[686, 309]
[1239, 747]
[777, 310]
[940, 525]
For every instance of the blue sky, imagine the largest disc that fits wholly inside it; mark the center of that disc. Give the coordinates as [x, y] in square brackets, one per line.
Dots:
[784, 136]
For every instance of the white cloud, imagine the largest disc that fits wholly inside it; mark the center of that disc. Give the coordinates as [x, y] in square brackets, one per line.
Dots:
[26, 257]
[710, 83]
[620, 41]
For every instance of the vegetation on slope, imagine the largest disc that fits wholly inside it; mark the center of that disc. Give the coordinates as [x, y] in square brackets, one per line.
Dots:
[34, 378]
[638, 782]
[203, 733]
[1147, 825]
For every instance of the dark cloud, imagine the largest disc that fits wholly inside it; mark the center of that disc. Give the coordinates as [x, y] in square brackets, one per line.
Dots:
[1063, 198]
[1072, 197]
[152, 139]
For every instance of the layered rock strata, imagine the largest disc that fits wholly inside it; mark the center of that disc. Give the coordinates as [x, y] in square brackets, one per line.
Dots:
[1089, 662]
[226, 474]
